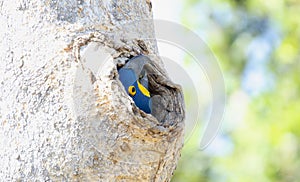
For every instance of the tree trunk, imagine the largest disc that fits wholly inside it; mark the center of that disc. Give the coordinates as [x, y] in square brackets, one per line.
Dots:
[64, 114]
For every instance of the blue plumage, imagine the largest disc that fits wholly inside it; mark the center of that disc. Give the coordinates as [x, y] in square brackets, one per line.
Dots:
[135, 85]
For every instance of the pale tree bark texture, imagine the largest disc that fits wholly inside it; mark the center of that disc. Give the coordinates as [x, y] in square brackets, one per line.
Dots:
[63, 120]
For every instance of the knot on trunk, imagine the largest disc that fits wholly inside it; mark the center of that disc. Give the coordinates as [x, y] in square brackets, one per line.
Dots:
[114, 128]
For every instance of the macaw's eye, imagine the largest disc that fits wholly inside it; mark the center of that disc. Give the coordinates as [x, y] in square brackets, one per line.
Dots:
[131, 90]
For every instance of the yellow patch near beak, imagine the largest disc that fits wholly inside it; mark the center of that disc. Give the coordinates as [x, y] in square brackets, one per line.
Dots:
[143, 89]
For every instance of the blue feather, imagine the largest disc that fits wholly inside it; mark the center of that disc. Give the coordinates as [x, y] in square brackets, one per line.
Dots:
[128, 78]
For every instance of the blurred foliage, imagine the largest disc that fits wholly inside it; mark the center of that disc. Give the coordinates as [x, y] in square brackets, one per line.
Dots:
[257, 44]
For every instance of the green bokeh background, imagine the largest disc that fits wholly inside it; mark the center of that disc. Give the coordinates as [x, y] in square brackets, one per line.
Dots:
[257, 45]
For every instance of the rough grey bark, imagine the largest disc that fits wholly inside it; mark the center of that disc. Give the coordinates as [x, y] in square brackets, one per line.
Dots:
[62, 121]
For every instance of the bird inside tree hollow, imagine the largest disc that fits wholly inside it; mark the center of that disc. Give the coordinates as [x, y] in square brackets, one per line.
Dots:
[134, 79]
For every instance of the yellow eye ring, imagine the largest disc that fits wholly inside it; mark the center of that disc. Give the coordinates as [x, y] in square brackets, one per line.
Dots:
[131, 90]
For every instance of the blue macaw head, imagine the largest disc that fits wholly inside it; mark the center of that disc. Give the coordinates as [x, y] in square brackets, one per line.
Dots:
[136, 87]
